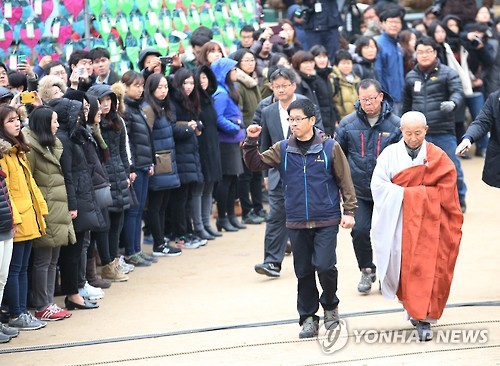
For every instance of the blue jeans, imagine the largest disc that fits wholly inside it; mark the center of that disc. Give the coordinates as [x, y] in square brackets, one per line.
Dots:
[132, 225]
[449, 144]
[16, 289]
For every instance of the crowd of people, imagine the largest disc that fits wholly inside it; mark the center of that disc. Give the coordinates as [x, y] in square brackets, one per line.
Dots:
[96, 164]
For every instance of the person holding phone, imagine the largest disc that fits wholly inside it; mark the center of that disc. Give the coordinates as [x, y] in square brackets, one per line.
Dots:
[80, 64]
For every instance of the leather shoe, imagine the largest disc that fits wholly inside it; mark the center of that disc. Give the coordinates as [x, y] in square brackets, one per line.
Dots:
[204, 234]
[213, 232]
[233, 220]
[70, 305]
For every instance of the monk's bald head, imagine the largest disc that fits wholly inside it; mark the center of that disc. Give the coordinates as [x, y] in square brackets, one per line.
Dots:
[413, 127]
[413, 117]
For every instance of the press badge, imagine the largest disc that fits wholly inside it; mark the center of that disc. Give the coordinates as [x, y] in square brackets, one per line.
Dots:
[417, 86]
[318, 7]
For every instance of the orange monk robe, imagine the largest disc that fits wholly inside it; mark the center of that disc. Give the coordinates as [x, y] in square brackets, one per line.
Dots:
[431, 234]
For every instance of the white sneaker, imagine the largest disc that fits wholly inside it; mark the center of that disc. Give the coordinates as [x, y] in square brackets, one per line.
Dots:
[90, 292]
[125, 267]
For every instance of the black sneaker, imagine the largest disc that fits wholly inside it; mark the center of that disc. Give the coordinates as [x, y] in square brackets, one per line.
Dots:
[268, 269]
[166, 251]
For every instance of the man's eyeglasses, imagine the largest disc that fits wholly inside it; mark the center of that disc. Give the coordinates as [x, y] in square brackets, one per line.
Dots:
[297, 119]
[424, 52]
[281, 87]
[366, 100]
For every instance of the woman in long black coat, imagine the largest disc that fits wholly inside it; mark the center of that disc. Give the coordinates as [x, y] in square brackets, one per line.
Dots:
[208, 142]
[82, 202]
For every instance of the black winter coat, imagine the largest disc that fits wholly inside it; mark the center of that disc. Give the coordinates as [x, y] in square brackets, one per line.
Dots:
[76, 171]
[324, 94]
[488, 120]
[139, 134]
[364, 69]
[97, 170]
[117, 167]
[208, 141]
[6, 221]
[186, 144]
[425, 93]
[362, 143]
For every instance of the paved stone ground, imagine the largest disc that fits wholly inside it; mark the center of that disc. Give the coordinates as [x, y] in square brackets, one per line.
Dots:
[209, 307]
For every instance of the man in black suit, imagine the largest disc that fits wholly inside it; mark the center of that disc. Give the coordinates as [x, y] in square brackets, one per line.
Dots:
[275, 127]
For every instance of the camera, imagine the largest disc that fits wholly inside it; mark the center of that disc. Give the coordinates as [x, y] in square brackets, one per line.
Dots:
[166, 60]
[27, 97]
[476, 41]
[303, 13]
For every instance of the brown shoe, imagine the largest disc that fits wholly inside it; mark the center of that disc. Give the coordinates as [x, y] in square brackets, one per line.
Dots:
[112, 273]
[92, 276]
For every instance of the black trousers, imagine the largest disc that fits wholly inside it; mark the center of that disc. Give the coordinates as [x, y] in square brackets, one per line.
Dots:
[250, 191]
[360, 234]
[225, 195]
[314, 252]
[69, 265]
[155, 215]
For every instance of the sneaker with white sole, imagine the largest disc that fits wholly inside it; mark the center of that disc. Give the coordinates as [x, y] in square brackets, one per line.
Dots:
[194, 239]
[184, 243]
[26, 322]
[166, 251]
[52, 312]
[367, 278]
[90, 292]
[331, 319]
[310, 328]
[125, 267]
[148, 257]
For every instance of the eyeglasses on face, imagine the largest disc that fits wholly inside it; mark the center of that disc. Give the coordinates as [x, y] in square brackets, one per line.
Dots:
[297, 119]
[281, 87]
[370, 99]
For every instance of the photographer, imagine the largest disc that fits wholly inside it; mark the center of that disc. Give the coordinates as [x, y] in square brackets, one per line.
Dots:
[321, 23]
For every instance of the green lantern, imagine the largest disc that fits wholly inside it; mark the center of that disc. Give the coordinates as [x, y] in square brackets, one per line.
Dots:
[136, 25]
[142, 6]
[126, 6]
[95, 6]
[152, 23]
[165, 22]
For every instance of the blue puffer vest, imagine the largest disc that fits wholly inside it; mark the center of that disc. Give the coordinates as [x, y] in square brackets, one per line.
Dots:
[309, 186]
[163, 139]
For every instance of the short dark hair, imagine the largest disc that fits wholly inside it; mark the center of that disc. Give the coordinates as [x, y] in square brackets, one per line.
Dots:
[16, 79]
[392, 11]
[283, 72]
[318, 49]
[200, 36]
[40, 122]
[98, 52]
[364, 41]
[342, 55]
[50, 65]
[366, 83]
[301, 56]
[78, 55]
[247, 28]
[426, 41]
[305, 105]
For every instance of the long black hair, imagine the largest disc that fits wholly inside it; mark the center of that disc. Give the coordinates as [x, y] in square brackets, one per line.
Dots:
[190, 102]
[18, 141]
[40, 122]
[160, 107]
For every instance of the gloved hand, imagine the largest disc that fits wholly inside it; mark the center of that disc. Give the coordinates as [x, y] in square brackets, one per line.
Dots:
[463, 147]
[447, 106]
